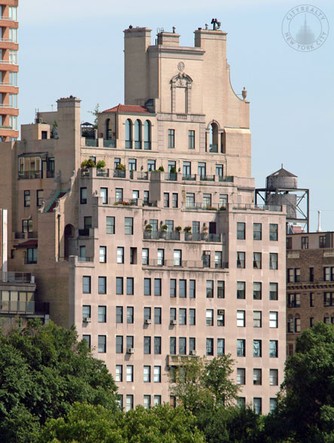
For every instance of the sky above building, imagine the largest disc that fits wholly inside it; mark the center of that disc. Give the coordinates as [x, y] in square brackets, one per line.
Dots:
[76, 48]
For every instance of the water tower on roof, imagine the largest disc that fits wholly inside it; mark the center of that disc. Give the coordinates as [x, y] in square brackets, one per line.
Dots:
[282, 189]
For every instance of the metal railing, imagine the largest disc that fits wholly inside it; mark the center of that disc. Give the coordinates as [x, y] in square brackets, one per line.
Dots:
[20, 307]
[17, 277]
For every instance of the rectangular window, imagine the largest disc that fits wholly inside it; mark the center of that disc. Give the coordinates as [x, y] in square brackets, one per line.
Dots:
[257, 290]
[273, 377]
[128, 225]
[191, 139]
[182, 345]
[103, 254]
[172, 287]
[257, 376]
[102, 344]
[130, 315]
[147, 313]
[177, 257]
[31, 255]
[209, 289]
[147, 286]
[294, 300]
[157, 287]
[273, 348]
[241, 231]
[175, 200]
[27, 225]
[273, 232]
[322, 241]
[110, 225]
[157, 345]
[273, 261]
[145, 256]
[257, 231]
[129, 373]
[257, 319]
[182, 316]
[172, 345]
[273, 319]
[157, 316]
[273, 291]
[329, 273]
[157, 374]
[120, 254]
[104, 195]
[304, 243]
[209, 317]
[241, 260]
[83, 196]
[192, 288]
[182, 288]
[206, 259]
[241, 376]
[220, 317]
[119, 344]
[86, 284]
[328, 298]
[147, 374]
[118, 195]
[241, 290]
[257, 405]
[157, 400]
[171, 138]
[128, 402]
[26, 199]
[220, 346]
[119, 314]
[172, 316]
[220, 289]
[257, 260]
[86, 313]
[129, 286]
[102, 314]
[257, 348]
[218, 259]
[190, 200]
[241, 318]
[119, 373]
[119, 285]
[147, 345]
[166, 199]
[241, 347]
[209, 346]
[192, 345]
[102, 285]
[192, 316]
[39, 198]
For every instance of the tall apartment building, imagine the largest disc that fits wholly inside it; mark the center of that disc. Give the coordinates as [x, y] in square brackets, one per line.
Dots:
[310, 282]
[8, 70]
[158, 253]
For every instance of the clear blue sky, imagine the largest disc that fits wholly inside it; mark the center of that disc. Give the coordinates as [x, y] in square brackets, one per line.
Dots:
[76, 47]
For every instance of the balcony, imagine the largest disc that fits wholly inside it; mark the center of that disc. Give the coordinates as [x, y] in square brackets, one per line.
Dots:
[17, 277]
[24, 308]
[188, 264]
[156, 235]
[119, 173]
[202, 207]
[109, 143]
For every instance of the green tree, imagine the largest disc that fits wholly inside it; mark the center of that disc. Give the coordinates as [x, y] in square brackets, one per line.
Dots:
[306, 401]
[43, 371]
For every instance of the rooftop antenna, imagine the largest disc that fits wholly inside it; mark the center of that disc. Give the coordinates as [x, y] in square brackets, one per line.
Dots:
[319, 222]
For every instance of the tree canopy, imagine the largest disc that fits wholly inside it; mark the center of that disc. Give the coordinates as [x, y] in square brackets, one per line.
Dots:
[43, 371]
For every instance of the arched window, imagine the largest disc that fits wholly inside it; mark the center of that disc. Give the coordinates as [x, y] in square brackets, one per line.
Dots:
[138, 134]
[128, 134]
[108, 132]
[213, 137]
[147, 134]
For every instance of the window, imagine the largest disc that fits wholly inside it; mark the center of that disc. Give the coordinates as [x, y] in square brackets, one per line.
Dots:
[147, 374]
[209, 346]
[31, 255]
[273, 261]
[219, 171]
[304, 243]
[223, 200]
[311, 299]
[26, 199]
[322, 241]
[119, 344]
[102, 344]
[257, 290]
[241, 290]
[192, 345]
[293, 275]
[329, 273]
[120, 254]
[129, 402]
[241, 231]
[207, 200]
[241, 376]
[220, 289]
[147, 402]
[273, 348]
[172, 287]
[147, 135]
[86, 312]
[273, 232]
[119, 194]
[209, 289]
[145, 256]
[157, 316]
[147, 286]
[27, 225]
[241, 260]
[192, 316]
[119, 285]
[190, 200]
[294, 300]
[110, 225]
[218, 259]
[151, 165]
[157, 400]
[157, 287]
[177, 257]
[206, 259]
[209, 317]
[171, 138]
[182, 316]
[241, 347]
[257, 405]
[129, 373]
[138, 134]
[157, 374]
[182, 288]
[257, 348]
[257, 376]
[130, 315]
[175, 200]
[128, 225]
[119, 373]
[102, 285]
[257, 319]
[202, 170]
[83, 196]
[273, 291]
[157, 345]
[39, 197]
[103, 254]
[273, 377]
[119, 314]
[257, 260]
[128, 134]
[147, 313]
[129, 286]
[172, 345]
[192, 288]
[257, 231]
[191, 139]
[220, 346]
[241, 318]
[86, 284]
[220, 317]
[273, 319]
[102, 314]
[272, 404]
[87, 339]
[104, 195]
[166, 199]
[147, 345]
[328, 298]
